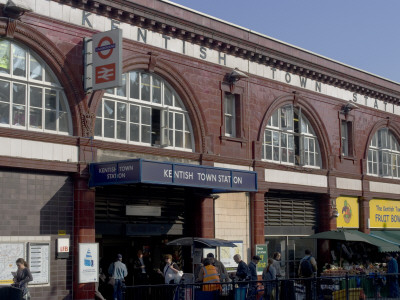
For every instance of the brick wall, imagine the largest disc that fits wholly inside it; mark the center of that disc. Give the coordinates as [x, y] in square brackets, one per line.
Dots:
[232, 219]
[36, 205]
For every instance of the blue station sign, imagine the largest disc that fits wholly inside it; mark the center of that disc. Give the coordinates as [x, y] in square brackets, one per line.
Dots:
[154, 172]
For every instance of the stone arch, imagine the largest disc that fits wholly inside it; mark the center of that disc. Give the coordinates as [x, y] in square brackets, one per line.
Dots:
[180, 85]
[312, 116]
[57, 61]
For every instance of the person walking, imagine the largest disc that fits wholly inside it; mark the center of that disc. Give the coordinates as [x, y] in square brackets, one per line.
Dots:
[170, 269]
[140, 267]
[242, 274]
[223, 274]
[209, 274]
[268, 275]
[22, 277]
[118, 271]
[276, 263]
[253, 276]
[392, 268]
[307, 268]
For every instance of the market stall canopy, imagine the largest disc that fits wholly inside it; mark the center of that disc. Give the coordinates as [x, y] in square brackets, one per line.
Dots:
[383, 246]
[341, 235]
[357, 236]
[387, 236]
[201, 242]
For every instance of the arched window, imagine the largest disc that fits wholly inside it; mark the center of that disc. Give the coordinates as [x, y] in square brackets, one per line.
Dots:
[384, 154]
[144, 111]
[31, 97]
[290, 139]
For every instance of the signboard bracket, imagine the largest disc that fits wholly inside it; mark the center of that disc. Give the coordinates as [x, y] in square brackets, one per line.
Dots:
[87, 65]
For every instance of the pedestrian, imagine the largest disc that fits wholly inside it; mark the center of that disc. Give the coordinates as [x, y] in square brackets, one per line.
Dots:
[253, 276]
[223, 273]
[242, 274]
[170, 270]
[117, 270]
[392, 268]
[140, 270]
[276, 263]
[22, 277]
[268, 275]
[209, 274]
[307, 268]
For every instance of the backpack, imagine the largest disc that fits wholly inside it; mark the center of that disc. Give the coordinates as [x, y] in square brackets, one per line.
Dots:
[306, 268]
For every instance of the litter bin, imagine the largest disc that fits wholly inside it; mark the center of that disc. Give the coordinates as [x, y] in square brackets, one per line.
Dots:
[10, 293]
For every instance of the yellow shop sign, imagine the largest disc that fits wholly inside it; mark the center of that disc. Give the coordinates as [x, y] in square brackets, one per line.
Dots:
[384, 213]
[348, 212]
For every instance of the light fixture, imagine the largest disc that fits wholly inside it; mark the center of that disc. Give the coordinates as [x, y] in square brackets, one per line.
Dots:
[349, 106]
[214, 196]
[236, 75]
[335, 213]
[16, 8]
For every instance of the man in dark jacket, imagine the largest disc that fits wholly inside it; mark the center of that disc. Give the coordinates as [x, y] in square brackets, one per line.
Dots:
[242, 272]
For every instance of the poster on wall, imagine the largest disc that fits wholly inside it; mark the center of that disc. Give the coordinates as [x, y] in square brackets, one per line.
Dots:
[39, 262]
[262, 252]
[384, 213]
[226, 255]
[9, 253]
[88, 262]
[348, 212]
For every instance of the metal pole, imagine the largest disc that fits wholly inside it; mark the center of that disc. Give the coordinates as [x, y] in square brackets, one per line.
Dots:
[347, 286]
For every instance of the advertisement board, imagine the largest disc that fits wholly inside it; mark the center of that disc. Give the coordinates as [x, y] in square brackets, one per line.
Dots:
[348, 212]
[226, 255]
[384, 213]
[88, 262]
[262, 252]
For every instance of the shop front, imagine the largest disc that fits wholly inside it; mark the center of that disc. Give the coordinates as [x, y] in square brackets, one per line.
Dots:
[385, 219]
[142, 205]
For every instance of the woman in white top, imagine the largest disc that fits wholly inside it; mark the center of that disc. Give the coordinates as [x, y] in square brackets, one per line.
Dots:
[170, 269]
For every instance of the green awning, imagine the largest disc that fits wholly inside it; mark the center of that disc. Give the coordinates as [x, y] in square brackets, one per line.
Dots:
[383, 245]
[387, 236]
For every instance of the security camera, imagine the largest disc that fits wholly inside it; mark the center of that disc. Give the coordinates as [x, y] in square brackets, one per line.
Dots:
[236, 75]
[17, 7]
[349, 106]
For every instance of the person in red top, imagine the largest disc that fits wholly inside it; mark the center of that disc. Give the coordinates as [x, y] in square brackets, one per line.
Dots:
[209, 274]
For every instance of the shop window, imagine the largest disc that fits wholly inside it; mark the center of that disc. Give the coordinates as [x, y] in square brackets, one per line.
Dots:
[30, 96]
[346, 132]
[384, 155]
[290, 139]
[144, 111]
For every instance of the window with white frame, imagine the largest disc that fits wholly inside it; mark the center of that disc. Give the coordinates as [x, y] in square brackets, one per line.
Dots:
[290, 139]
[230, 114]
[31, 97]
[144, 111]
[384, 155]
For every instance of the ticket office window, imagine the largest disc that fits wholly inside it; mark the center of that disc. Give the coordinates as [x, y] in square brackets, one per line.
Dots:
[31, 97]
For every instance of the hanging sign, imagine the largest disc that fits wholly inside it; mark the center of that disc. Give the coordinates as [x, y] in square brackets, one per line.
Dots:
[107, 59]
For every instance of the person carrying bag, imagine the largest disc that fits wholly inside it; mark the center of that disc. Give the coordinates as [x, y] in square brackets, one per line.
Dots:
[22, 277]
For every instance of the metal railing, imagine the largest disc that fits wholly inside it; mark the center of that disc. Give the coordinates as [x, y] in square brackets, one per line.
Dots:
[348, 287]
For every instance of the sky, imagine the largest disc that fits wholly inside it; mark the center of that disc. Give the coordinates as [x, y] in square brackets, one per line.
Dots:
[364, 34]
